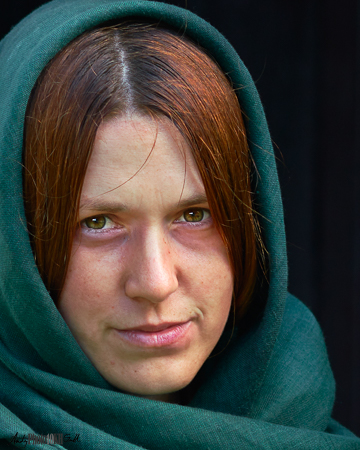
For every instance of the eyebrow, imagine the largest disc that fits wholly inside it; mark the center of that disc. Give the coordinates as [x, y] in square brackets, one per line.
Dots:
[192, 200]
[97, 205]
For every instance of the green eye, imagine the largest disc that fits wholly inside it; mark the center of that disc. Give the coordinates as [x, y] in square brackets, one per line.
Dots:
[194, 215]
[96, 222]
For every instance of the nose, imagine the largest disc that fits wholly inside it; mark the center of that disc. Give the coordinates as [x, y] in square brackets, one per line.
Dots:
[152, 275]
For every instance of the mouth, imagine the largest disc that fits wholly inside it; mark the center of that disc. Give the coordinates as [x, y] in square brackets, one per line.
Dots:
[162, 335]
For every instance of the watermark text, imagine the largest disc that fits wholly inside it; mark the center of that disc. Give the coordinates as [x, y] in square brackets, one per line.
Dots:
[50, 439]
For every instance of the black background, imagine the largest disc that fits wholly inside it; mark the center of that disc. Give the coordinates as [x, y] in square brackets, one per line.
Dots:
[305, 58]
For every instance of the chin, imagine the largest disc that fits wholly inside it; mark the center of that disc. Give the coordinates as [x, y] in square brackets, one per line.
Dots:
[153, 387]
[148, 383]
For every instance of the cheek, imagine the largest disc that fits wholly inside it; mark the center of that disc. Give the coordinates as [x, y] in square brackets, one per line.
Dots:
[210, 267]
[211, 283]
[86, 290]
[91, 269]
[221, 294]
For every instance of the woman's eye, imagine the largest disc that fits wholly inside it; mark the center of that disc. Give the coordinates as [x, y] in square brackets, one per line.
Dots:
[194, 215]
[96, 222]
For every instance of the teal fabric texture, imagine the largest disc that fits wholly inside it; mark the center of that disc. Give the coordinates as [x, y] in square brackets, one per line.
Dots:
[271, 388]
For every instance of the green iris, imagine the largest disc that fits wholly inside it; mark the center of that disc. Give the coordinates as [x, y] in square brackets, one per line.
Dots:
[96, 222]
[194, 215]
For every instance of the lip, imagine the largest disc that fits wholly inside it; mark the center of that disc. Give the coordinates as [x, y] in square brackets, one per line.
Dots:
[162, 335]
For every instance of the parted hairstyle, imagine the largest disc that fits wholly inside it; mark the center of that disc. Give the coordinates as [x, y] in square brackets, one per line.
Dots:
[148, 70]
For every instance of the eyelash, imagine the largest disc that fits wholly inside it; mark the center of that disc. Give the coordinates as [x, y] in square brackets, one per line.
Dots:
[93, 219]
[205, 217]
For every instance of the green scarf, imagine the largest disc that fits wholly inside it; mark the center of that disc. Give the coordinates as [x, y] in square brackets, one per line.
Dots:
[271, 388]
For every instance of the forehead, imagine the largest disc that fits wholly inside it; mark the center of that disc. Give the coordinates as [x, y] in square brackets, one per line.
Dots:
[136, 156]
[136, 140]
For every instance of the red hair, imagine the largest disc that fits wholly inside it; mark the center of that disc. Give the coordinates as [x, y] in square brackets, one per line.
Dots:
[137, 68]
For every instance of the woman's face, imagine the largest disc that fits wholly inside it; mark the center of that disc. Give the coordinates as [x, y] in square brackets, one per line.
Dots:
[149, 286]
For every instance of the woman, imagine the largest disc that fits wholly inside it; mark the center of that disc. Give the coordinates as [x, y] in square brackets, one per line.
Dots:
[141, 205]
